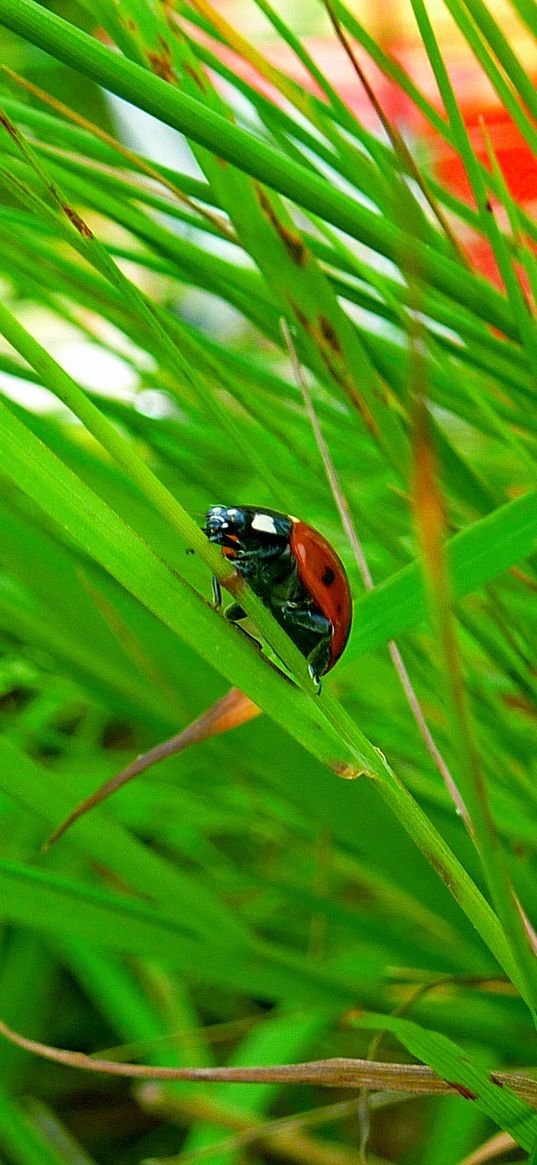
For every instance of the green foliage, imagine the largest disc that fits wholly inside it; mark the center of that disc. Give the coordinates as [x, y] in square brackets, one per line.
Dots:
[233, 905]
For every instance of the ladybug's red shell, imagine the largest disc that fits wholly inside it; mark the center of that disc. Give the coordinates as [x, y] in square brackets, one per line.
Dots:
[323, 575]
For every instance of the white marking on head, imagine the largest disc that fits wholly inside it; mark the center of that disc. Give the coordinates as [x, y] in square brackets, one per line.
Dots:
[264, 523]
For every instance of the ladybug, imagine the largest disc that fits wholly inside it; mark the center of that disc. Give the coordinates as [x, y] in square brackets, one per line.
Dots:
[296, 574]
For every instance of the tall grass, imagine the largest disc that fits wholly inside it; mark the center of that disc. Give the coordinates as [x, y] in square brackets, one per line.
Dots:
[242, 904]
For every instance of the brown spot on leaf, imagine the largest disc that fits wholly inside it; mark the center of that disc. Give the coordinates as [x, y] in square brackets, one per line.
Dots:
[440, 868]
[340, 376]
[349, 1016]
[301, 317]
[495, 1080]
[262, 198]
[345, 770]
[161, 63]
[520, 704]
[333, 369]
[351, 391]
[161, 67]
[8, 125]
[78, 222]
[323, 330]
[295, 247]
[329, 333]
[194, 76]
[462, 1090]
[428, 503]
[366, 414]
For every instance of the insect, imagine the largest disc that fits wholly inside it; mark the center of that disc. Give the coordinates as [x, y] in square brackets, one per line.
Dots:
[296, 574]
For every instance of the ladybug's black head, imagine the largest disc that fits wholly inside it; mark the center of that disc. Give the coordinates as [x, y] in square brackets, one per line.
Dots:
[226, 526]
[244, 531]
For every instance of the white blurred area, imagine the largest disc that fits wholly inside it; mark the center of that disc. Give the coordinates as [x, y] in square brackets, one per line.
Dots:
[98, 356]
[93, 365]
[107, 364]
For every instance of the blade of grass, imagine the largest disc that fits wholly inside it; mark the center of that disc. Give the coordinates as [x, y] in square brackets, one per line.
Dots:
[24, 1144]
[252, 155]
[392, 69]
[476, 555]
[102, 534]
[86, 242]
[468, 1078]
[216, 223]
[267, 230]
[352, 535]
[400, 148]
[336, 1073]
[526, 326]
[511, 250]
[457, 322]
[287, 131]
[483, 27]
[52, 902]
[69, 137]
[430, 526]
[527, 10]
[321, 115]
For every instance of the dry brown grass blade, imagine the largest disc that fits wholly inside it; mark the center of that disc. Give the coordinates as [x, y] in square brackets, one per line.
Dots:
[339, 1072]
[229, 712]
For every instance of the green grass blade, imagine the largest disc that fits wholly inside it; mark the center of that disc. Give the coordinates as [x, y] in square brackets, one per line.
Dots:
[99, 532]
[470, 1080]
[478, 554]
[251, 155]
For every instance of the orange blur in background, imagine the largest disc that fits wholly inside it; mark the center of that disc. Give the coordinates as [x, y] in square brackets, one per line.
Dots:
[393, 26]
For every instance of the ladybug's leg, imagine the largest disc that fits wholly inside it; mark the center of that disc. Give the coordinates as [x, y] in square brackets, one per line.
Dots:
[318, 660]
[234, 613]
[217, 593]
[297, 618]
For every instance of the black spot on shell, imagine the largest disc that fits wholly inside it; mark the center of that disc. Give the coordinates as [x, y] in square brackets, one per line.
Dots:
[328, 576]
